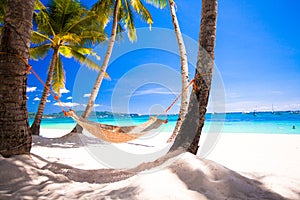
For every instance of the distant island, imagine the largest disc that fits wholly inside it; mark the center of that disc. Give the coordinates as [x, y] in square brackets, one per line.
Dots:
[97, 113]
[108, 114]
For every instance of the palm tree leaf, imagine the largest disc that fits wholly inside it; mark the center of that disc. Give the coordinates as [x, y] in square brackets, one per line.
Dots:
[129, 21]
[65, 51]
[92, 36]
[157, 3]
[139, 7]
[58, 77]
[83, 59]
[38, 5]
[3, 4]
[104, 9]
[71, 38]
[39, 52]
[39, 38]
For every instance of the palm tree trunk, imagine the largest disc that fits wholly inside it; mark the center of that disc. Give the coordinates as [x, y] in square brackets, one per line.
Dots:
[184, 71]
[35, 127]
[190, 131]
[102, 71]
[15, 135]
[205, 65]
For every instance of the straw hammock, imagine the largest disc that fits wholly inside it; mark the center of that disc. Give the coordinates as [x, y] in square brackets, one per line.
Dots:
[117, 134]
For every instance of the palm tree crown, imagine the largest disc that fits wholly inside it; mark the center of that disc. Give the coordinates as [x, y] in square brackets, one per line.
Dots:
[68, 27]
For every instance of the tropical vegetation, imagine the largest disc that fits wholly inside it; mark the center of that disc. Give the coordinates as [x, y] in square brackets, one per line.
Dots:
[122, 13]
[66, 29]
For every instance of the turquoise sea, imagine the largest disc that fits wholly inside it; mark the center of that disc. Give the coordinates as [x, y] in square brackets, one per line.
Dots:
[261, 122]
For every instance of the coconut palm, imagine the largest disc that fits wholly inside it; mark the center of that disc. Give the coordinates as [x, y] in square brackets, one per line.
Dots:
[184, 71]
[67, 29]
[15, 136]
[122, 13]
[205, 65]
[190, 131]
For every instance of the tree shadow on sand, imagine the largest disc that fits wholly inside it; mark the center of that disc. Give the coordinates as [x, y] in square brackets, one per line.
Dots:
[82, 175]
[222, 182]
[71, 140]
[17, 171]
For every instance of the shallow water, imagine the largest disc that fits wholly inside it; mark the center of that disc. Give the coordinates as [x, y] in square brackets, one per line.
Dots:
[261, 122]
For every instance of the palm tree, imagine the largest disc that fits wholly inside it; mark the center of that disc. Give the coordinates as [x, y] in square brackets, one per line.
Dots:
[122, 13]
[15, 136]
[184, 71]
[190, 131]
[68, 29]
[205, 65]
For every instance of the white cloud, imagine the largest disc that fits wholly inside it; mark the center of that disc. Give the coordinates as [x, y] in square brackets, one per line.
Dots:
[69, 98]
[36, 99]
[69, 104]
[87, 95]
[97, 105]
[64, 90]
[31, 89]
[154, 91]
[27, 97]
[48, 101]
[276, 92]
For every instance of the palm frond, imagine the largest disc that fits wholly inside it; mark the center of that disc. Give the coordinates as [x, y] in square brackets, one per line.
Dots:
[139, 7]
[42, 20]
[71, 38]
[83, 59]
[129, 21]
[39, 38]
[157, 3]
[38, 5]
[104, 9]
[39, 52]
[3, 4]
[66, 51]
[58, 76]
[92, 37]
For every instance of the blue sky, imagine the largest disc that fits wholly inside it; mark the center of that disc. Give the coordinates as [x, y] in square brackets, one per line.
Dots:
[257, 55]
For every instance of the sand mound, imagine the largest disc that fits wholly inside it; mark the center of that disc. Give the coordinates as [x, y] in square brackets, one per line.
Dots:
[187, 178]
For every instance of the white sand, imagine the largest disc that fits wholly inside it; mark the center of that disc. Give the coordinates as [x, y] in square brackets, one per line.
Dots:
[265, 167]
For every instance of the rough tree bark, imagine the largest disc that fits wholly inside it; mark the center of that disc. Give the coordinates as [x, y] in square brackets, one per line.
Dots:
[190, 131]
[15, 135]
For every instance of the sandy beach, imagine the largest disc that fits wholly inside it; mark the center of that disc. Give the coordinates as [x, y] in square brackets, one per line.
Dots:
[241, 166]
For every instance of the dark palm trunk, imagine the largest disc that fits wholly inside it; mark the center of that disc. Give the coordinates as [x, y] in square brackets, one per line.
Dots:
[35, 127]
[190, 131]
[15, 135]
[205, 64]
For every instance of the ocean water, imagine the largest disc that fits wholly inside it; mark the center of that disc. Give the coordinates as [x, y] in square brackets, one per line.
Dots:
[260, 122]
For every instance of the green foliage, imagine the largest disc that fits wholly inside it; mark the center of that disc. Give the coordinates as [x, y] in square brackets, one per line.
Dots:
[126, 13]
[158, 3]
[58, 76]
[69, 27]
[39, 52]
[2, 10]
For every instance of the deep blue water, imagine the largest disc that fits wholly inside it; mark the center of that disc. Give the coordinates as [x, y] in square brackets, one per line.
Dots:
[261, 122]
